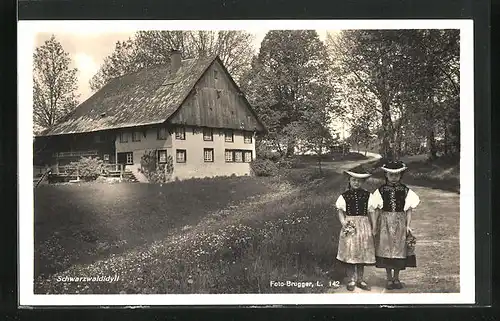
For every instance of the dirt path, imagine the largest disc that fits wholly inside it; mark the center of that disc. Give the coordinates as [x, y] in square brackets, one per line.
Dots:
[339, 167]
[435, 224]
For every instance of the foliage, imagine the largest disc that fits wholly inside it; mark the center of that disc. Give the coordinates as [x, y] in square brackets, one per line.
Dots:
[406, 81]
[264, 150]
[290, 162]
[290, 85]
[264, 167]
[361, 134]
[155, 172]
[54, 84]
[148, 48]
[86, 167]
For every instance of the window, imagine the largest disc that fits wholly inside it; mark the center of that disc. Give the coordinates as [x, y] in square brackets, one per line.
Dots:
[229, 136]
[247, 137]
[208, 154]
[130, 158]
[208, 134]
[229, 156]
[162, 156]
[180, 155]
[180, 133]
[123, 138]
[248, 156]
[238, 156]
[215, 74]
[106, 157]
[161, 133]
[136, 136]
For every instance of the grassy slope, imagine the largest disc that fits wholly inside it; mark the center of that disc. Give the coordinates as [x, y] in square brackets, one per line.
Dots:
[286, 230]
[439, 174]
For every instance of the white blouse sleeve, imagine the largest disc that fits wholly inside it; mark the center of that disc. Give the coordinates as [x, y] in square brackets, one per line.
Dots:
[375, 201]
[412, 200]
[340, 204]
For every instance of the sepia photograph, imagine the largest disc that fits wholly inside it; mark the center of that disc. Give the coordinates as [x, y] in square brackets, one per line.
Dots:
[212, 162]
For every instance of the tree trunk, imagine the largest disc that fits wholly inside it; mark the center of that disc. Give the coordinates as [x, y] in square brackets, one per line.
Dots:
[455, 141]
[454, 130]
[445, 142]
[387, 135]
[431, 145]
[398, 141]
[290, 148]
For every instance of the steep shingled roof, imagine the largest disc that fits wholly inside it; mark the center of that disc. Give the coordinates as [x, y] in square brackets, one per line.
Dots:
[146, 97]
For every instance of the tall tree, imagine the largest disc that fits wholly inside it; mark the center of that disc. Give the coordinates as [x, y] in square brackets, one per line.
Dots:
[148, 48]
[374, 65]
[401, 75]
[54, 84]
[119, 63]
[437, 92]
[361, 129]
[290, 85]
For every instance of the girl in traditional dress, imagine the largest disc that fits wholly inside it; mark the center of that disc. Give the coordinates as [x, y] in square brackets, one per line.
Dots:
[394, 202]
[356, 245]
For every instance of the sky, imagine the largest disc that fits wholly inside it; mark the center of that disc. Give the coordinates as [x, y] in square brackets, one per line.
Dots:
[88, 50]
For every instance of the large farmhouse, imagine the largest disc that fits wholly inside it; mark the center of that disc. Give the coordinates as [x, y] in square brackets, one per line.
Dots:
[189, 109]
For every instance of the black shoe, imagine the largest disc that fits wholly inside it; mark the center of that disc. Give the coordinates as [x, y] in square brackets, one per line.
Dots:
[397, 284]
[389, 285]
[363, 285]
[351, 285]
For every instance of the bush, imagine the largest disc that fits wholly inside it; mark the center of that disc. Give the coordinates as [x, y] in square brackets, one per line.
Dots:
[264, 167]
[272, 156]
[285, 163]
[303, 176]
[87, 168]
[156, 173]
[291, 162]
[264, 152]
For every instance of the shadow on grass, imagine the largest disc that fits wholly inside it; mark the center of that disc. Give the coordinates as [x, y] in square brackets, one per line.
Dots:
[79, 224]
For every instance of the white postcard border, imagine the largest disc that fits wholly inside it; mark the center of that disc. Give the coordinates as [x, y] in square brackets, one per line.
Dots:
[26, 35]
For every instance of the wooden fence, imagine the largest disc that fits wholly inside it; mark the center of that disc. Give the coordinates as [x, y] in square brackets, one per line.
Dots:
[72, 170]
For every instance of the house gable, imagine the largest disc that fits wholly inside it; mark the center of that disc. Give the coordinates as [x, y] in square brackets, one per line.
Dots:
[216, 101]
